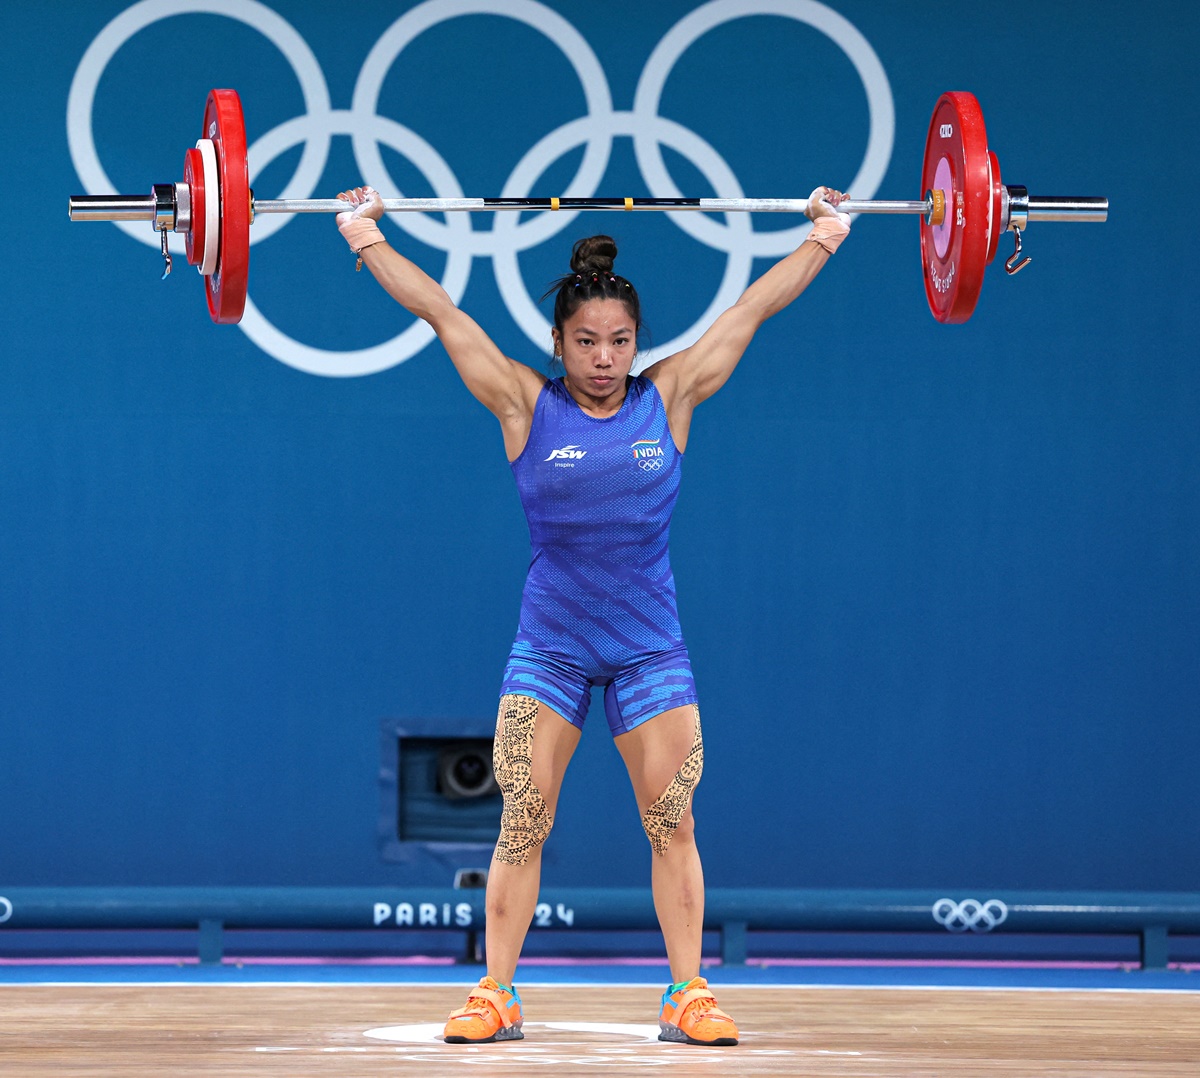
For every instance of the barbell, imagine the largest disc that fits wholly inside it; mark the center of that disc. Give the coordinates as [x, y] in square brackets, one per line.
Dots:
[963, 212]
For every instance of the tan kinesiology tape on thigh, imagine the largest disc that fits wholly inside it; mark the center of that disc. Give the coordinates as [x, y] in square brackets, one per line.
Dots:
[662, 818]
[525, 821]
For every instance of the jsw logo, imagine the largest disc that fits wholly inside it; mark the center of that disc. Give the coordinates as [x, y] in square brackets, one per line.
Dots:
[568, 452]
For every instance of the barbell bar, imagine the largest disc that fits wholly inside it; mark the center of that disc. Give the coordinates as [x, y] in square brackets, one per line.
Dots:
[144, 207]
[963, 213]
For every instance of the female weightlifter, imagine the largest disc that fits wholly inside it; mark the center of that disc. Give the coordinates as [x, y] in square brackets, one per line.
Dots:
[596, 455]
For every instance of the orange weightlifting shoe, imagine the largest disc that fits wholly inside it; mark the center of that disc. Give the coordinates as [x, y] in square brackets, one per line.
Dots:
[690, 1014]
[492, 1013]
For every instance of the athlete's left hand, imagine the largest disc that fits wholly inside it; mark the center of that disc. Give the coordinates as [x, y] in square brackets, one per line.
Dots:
[365, 202]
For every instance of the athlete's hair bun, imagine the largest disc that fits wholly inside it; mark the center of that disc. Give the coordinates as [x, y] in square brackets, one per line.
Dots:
[594, 254]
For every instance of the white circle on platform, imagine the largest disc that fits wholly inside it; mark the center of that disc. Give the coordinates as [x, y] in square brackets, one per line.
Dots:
[423, 1032]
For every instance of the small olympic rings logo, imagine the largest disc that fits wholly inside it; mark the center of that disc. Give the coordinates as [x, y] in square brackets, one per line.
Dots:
[651, 465]
[6, 909]
[969, 914]
[509, 233]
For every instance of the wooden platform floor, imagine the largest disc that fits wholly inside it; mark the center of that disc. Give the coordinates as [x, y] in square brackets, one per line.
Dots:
[367, 1030]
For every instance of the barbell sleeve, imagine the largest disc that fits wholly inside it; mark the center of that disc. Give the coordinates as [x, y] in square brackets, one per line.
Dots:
[111, 207]
[1067, 208]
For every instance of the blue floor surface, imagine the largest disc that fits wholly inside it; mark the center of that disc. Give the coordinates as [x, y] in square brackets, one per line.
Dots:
[926, 976]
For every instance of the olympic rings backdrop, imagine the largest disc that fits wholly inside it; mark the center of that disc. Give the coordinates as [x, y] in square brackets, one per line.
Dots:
[940, 584]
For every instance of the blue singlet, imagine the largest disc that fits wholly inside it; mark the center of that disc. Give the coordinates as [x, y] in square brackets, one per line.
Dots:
[599, 601]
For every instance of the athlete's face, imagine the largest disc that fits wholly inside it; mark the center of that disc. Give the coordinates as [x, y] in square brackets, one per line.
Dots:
[597, 346]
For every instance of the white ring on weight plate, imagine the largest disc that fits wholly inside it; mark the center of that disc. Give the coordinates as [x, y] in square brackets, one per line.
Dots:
[212, 208]
[991, 203]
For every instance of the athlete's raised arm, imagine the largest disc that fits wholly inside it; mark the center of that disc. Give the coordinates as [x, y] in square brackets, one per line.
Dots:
[695, 374]
[505, 387]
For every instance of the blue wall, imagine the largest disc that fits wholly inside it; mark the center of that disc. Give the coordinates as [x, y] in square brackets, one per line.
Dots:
[940, 583]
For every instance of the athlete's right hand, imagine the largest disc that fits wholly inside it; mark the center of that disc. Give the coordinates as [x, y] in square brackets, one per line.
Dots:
[824, 202]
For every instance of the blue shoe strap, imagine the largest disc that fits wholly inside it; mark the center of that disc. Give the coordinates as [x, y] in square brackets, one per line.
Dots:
[672, 989]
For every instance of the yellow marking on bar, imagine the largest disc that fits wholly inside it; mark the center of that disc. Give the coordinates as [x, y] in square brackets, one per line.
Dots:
[628, 203]
[554, 203]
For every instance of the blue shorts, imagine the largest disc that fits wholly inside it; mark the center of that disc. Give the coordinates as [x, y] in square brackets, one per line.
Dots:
[647, 685]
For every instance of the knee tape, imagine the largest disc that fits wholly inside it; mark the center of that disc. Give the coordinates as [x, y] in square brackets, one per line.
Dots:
[662, 818]
[525, 821]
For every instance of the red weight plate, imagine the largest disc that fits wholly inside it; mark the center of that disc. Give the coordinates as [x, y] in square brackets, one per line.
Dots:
[226, 288]
[955, 254]
[193, 176]
[997, 208]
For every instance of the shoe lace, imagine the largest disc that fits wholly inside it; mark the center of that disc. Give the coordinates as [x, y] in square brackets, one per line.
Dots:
[482, 1007]
[706, 1007]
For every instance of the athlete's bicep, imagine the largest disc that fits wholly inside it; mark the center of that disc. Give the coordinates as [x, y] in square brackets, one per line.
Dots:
[696, 373]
